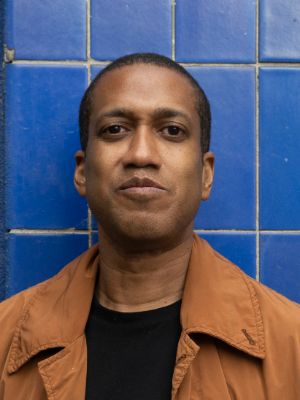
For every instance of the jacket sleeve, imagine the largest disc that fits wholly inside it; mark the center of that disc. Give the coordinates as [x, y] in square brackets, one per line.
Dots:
[10, 314]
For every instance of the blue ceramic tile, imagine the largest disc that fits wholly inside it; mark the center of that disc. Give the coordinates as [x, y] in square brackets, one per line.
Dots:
[279, 30]
[231, 92]
[95, 237]
[47, 30]
[279, 148]
[41, 138]
[35, 258]
[94, 223]
[95, 69]
[280, 263]
[215, 31]
[237, 247]
[120, 27]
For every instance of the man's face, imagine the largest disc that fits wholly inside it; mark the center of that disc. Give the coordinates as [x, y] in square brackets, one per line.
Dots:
[143, 172]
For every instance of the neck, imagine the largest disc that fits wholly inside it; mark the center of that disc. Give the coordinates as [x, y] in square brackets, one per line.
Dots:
[141, 281]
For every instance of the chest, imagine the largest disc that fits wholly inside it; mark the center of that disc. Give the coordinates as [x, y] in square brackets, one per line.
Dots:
[215, 373]
[219, 372]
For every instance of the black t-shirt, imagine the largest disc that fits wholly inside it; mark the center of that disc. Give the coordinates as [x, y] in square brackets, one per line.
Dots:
[131, 356]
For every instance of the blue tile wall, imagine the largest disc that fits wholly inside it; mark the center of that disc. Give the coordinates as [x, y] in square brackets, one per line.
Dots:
[281, 263]
[95, 237]
[245, 55]
[238, 248]
[37, 257]
[232, 203]
[120, 27]
[47, 30]
[280, 148]
[218, 31]
[2, 160]
[42, 137]
[280, 30]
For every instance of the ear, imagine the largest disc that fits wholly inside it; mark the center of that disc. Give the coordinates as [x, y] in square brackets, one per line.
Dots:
[207, 174]
[79, 175]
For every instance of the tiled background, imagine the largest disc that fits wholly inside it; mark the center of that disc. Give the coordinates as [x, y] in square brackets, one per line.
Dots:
[245, 54]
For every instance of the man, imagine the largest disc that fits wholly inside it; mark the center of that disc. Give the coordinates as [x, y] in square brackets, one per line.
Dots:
[152, 312]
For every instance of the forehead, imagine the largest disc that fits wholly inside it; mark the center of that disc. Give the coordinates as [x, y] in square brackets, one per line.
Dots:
[144, 85]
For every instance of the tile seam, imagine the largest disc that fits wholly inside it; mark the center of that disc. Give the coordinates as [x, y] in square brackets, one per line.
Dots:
[51, 62]
[254, 231]
[47, 231]
[263, 231]
[88, 58]
[227, 231]
[257, 194]
[90, 61]
[87, 231]
[173, 27]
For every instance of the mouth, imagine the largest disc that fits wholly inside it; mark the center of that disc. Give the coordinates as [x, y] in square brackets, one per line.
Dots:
[141, 188]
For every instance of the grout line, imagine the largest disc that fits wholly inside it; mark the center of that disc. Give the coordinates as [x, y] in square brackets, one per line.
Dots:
[88, 58]
[50, 62]
[249, 231]
[88, 29]
[213, 65]
[173, 27]
[257, 275]
[241, 65]
[90, 231]
[227, 231]
[91, 61]
[70, 231]
[88, 39]
[280, 232]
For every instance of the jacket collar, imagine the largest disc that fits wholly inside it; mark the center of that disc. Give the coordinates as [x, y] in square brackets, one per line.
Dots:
[57, 310]
[218, 300]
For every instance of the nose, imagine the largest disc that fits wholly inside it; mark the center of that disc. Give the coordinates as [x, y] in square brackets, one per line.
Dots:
[142, 149]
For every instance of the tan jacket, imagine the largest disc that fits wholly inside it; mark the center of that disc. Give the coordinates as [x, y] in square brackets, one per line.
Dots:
[240, 340]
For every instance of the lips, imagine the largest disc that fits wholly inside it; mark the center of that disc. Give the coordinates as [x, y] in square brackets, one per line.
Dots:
[137, 182]
[142, 190]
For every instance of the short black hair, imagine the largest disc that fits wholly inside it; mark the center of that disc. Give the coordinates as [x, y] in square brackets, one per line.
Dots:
[202, 103]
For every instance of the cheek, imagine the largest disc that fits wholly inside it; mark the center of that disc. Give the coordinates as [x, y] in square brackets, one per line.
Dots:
[97, 165]
[96, 178]
[189, 172]
[188, 185]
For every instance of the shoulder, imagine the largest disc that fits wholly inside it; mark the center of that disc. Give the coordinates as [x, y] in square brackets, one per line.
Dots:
[18, 308]
[279, 313]
[279, 316]
[281, 328]
[11, 315]
[274, 307]
[11, 308]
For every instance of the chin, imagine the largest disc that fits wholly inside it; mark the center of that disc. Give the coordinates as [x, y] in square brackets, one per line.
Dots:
[143, 232]
[149, 235]
[146, 231]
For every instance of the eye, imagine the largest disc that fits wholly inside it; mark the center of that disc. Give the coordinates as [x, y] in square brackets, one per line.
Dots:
[113, 132]
[113, 129]
[173, 131]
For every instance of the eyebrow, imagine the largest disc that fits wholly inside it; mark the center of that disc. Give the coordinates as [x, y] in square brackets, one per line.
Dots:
[118, 112]
[165, 112]
[159, 113]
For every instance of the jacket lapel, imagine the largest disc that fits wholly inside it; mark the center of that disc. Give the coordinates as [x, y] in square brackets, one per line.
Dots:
[64, 374]
[219, 301]
[56, 313]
